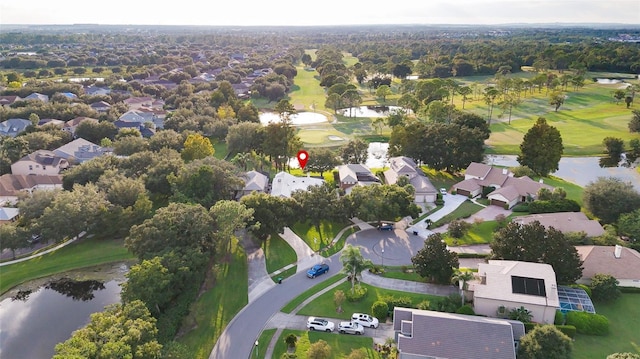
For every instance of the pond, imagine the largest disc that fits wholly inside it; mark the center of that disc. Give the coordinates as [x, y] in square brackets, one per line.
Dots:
[368, 111]
[300, 118]
[38, 315]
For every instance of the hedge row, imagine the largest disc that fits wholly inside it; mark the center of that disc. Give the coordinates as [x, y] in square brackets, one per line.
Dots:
[588, 323]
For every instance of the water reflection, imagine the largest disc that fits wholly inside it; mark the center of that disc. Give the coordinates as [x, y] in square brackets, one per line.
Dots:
[32, 323]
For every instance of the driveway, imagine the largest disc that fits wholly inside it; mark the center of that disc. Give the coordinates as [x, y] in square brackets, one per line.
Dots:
[398, 245]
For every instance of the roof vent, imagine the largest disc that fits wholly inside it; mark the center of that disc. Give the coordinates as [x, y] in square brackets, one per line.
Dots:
[504, 171]
[540, 181]
[618, 251]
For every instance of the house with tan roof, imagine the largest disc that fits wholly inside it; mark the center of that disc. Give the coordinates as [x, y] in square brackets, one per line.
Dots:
[79, 150]
[405, 167]
[565, 222]
[71, 125]
[135, 103]
[620, 262]
[507, 189]
[512, 284]
[41, 162]
[11, 186]
[428, 334]
[355, 174]
[8, 100]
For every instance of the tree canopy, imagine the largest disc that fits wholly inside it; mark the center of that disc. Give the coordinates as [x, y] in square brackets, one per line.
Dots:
[381, 203]
[545, 342]
[609, 197]
[541, 148]
[434, 261]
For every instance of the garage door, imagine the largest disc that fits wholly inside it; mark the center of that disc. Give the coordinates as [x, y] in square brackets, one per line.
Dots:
[495, 202]
[463, 192]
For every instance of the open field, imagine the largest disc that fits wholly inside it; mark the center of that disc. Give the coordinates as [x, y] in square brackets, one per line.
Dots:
[85, 253]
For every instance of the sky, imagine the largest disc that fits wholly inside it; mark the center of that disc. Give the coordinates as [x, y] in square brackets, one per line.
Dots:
[308, 13]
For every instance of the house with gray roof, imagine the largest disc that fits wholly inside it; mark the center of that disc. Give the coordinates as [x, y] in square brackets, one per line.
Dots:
[101, 106]
[79, 151]
[71, 125]
[355, 174]
[565, 222]
[41, 162]
[254, 181]
[428, 334]
[405, 167]
[13, 126]
[622, 263]
[8, 214]
[37, 96]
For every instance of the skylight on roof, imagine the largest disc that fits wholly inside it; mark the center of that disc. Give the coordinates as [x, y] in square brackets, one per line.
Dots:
[574, 299]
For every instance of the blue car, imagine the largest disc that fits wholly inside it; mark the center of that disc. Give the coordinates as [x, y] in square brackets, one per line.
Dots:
[385, 227]
[317, 269]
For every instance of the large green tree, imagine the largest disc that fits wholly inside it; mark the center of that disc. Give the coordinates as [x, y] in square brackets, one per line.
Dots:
[629, 225]
[380, 203]
[13, 237]
[245, 137]
[321, 160]
[609, 197]
[271, 213]
[355, 151]
[353, 263]
[541, 148]
[434, 261]
[121, 331]
[319, 203]
[534, 243]
[545, 342]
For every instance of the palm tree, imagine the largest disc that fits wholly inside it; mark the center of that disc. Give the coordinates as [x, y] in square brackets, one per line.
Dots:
[353, 263]
[462, 277]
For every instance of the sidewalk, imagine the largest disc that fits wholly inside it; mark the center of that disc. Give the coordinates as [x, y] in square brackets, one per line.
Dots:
[451, 202]
[44, 252]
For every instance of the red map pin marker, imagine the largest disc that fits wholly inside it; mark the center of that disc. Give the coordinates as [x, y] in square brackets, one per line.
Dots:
[303, 157]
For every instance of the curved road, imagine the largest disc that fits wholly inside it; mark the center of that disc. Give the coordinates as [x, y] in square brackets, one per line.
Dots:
[238, 338]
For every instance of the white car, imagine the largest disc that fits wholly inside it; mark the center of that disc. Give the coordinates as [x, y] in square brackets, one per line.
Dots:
[443, 191]
[321, 324]
[350, 328]
[365, 320]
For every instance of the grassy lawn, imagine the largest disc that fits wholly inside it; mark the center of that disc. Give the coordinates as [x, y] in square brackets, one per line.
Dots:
[85, 253]
[341, 345]
[479, 233]
[426, 214]
[574, 191]
[263, 341]
[441, 179]
[328, 175]
[397, 273]
[220, 150]
[284, 274]
[466, 209]
[623, 317]
[278, 253]
[309, 292]
[306, 93]
[323, 305]
[215, 308]
[329, 251]
[309, 234]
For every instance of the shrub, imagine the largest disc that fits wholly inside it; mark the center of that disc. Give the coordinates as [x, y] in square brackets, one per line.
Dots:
[623, 356]
[404, 269]
[466, 309]
[458, 228]
[588, 323]
[393, 302]
[522, 207]
[530, 326]
[424, 305]
[559, 318]
[582, 286]
[380, 310]
[448, 304]
[522, 314]
[291, 340]
[629, 289]
[357, 294]
[553, 206]
[569, 330]
[604, 287]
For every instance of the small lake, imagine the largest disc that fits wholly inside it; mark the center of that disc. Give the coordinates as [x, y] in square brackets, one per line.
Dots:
[300, 118]
[38, 315]
[368, 111]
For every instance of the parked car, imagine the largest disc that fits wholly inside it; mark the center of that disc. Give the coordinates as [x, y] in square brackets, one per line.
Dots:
[317, 270]
[35, 238]
[385, 227]
[350, 328]
[365, 320]
[321, 324]
[443, 191]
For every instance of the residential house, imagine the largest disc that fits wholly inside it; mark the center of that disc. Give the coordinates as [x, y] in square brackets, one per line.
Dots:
[101, 106]
[69, 95]
[96, 91]
[8, 214]
[505, 285]
[12, 185]
[506, 190]
[79, 150]
[41, 162]
[284, 184]
[352, 175]
[254, 181]
[13, 126]
[37, 96]
[405, 167]
[71, 125]
[144, 130]
[565, 222]
[620, 262]
[135, 103]
[8, 100]
[429, 335]
[51, 121]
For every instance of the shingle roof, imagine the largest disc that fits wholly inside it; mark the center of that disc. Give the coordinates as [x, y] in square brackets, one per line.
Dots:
[565, 222]
[11, 184]
[43, 157]
[601, 259]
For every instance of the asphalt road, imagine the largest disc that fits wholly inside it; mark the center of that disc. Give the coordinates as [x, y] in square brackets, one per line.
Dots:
[239, 337]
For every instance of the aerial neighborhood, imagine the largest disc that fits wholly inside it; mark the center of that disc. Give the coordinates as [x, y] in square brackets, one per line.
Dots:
[332, 192]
